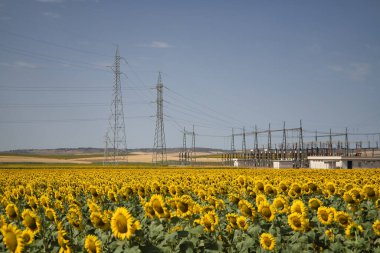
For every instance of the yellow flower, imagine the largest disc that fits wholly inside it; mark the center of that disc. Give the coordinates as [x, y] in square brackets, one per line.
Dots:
[233, 198]
[376, 227]
[112, 196]
[353, 229]
[158, 205]
[232, 220]
[44, 200]
[209, 221]
[342, 218]
[32, 202]
[50, 214]
[149, 211]
[12, 211]
[315, 203]
[370, 192]
[12, 238]
[123, 225]
[325, 215]
[267, 241]
[74, 216]
[330, 234]
[298, 222]
[93, 206]
[184, 206]
[281, 204]
[246, 208]
[27, 236]
[267, 211]
[31, 220]
[299, 207]
[92, 244]
[242, 223]
[260, 198]
[98, 221]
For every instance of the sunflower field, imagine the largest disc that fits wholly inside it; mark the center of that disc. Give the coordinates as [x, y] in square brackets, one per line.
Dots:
[82, 209]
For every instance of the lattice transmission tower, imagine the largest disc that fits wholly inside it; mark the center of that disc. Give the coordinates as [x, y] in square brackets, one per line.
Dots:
[159, 153]
[115, 140]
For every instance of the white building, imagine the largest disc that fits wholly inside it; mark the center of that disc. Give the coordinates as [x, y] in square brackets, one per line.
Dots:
[343, 162]
[282, 164]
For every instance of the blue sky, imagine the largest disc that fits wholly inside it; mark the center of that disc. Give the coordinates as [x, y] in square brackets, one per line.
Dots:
[225, 63]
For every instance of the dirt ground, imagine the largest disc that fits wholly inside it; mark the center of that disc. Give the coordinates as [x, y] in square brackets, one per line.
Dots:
[135, 157]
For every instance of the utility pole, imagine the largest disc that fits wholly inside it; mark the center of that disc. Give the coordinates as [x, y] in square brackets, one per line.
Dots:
[193, 159]
[233, 141]
[116, 144]
[284, 141]
[269, 138]
[243, 143]
[159, 155]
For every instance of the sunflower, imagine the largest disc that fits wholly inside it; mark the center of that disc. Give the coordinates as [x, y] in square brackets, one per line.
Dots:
[259, 184]
[348, 198]
[357, 194]
[184, 206]
[267, 211]
[281, 204]
[296, 188]
[283, 186]
[232, 220]
[149, 211]
[27, 236]
[370, 192]
[209, 221]
[2, 221]
[123, 225]
[44, 200]
[330, 234]
[261, 198]
[98, 221]
[326, 215]
[59, 206]
[112, 196]
[342, 218]
[63, 242]
[158, 205]
[173, 190]
[270, 190]
[267, 241]
[94, 191]
[376, 227]
[31, 220]
[331, 188]
[92, 244]
[233, 198]
[353, 229]
[298, 222]
[315, 203]
[50, 214]
[32, 202]
[242, 223]
[12, 211]
[246, 208]
[74, 216]
[93, 206]
[12, 238]
[299, 207]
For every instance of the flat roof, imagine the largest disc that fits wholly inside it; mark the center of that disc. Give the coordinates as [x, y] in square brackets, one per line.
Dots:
[334, 158]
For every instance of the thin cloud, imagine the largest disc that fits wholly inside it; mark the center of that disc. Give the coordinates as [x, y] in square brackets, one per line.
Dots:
[19, 65]
[51, 14]
[159, 44]
[50, 1]
[353, 71]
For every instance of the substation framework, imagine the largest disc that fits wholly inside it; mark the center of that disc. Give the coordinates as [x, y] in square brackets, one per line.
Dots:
[295, 151]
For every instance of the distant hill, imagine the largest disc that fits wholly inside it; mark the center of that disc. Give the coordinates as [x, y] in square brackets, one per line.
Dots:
[92, 151]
